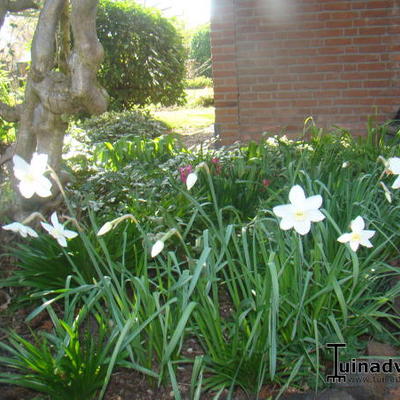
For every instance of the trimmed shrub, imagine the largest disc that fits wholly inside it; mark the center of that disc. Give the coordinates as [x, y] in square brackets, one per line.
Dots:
[144, 56]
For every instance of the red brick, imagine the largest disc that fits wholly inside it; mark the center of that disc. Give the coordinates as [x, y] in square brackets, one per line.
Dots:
[337, 60]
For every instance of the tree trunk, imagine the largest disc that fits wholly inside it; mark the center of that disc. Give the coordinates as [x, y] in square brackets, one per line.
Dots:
[51, 94]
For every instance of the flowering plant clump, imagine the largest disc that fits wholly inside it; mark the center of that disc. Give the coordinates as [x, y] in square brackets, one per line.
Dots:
[358, 236]
[300, 212]
[58, 231]
[31, 176]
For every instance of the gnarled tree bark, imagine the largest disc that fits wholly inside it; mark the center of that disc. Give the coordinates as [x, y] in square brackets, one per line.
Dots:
[55, 90]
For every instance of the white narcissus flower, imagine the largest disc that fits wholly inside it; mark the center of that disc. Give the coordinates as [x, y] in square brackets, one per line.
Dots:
[31, 176]
[58, 231]
[105, 228]
[300, 212]
[22, 229]
[191, 180]
[358, 235]
[157, 248]
[345, 164]
[393, 167]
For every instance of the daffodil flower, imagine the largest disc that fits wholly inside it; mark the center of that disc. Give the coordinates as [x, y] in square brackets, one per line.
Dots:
[191, 180]
[358, 235]
[105, 229]
[109, 225]
[157, 248]
[21, 229]
[300, 212]
[58, 231]
[31, 176]
[393, 167]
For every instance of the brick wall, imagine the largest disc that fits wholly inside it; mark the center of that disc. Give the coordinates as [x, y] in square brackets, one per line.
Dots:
[276, 62]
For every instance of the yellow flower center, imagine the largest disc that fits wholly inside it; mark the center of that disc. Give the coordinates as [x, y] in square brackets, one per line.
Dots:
[355, 237]
[299, 215]
[29, 177]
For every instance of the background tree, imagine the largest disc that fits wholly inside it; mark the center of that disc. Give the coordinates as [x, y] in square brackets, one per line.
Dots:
[65, 57]
[200, 51]
[144, 55]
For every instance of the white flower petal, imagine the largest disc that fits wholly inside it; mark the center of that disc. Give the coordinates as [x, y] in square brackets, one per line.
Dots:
[346, 237]
[354, 245]
[302, 227]
[315, 216]
[70, 234]
[43, 186]
[283, 210]
[105, 228]
[394, 165]
[191, 180]
[20, 167]
[39, 163]
[62, 241]
[357, 225]
[297, 196]
[367, 234]
[27, 189]
[14, 227]
[49, 228]
[54, 219]
[286, 223]
[365, 242]
[31, 232]
[345, 164]
[157, 248]
[396, 183]
[313, 202]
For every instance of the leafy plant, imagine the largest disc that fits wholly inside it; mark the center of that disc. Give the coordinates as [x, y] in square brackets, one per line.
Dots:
[144, 55]
[68, 364]
[205, 101]
[200, 51]
[112, 126]
[262, 302]
[199, 82]
[6, 128]
[288, 296]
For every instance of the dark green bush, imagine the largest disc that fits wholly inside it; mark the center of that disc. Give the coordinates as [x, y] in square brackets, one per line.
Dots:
[144, 56]
[200, 51]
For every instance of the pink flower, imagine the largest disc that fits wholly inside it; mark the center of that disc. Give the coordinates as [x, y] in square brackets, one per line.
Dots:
[185, 171]
[218, 166]
[266, 182]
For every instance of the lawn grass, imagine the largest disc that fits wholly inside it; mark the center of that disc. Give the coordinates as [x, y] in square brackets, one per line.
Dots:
[182, 120]
[189, 117]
